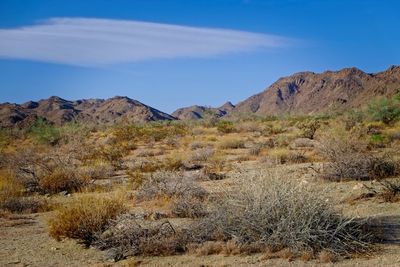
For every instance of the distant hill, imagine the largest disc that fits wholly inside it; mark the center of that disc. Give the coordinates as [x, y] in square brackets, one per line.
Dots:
[309, 92]
[200, 112]
[58, 111]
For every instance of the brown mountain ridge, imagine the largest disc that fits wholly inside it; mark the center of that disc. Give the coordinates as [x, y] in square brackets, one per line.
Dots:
[58, 111]
[309, 92]
[300, 93]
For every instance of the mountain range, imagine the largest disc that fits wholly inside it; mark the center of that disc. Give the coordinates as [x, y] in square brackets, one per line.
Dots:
[300, 93]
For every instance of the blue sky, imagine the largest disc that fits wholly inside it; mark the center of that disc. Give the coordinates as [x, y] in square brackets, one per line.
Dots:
[170, 53]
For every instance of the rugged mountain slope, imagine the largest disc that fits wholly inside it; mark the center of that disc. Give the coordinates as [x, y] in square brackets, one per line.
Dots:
[200, 112]
[59, 111]
[309, 92]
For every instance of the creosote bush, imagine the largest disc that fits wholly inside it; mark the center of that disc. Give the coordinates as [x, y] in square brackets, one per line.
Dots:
[84, 217]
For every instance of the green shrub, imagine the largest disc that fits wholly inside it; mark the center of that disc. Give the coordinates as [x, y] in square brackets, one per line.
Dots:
[385, 110]
[225, 126]
[44, 133]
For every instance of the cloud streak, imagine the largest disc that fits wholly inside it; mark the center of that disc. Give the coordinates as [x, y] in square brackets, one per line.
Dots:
[93, 42]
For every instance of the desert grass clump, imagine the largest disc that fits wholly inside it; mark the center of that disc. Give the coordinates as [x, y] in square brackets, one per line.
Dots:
[265, 210]
[284, 156]
[63, 179]
[231, 143]
[84, 217]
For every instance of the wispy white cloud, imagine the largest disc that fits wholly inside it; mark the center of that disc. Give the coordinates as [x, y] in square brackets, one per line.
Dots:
[91, 42]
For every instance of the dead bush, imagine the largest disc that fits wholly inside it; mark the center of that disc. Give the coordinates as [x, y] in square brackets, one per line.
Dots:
[130, 236]
[348, 159]
[25, 205]
[263, 210]
[387, 190]
[187, 206]
[84, 217]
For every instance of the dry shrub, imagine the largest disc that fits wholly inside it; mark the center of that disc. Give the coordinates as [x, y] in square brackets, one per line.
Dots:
[13, 199]
[390, 191]
[63, 179]
[169, 184]
[308, 128]
[173, 163]
[10, 187]
[231, 143]
[130, 236]
[256, 149]
[263, 210]
[25, 205]
[283, 156]
[38, 171]
[188, 206]
[99, 170]
[249, 127]
[349, 159]
[186, 195]
[387, 190]
[84, 217]
[201, 155]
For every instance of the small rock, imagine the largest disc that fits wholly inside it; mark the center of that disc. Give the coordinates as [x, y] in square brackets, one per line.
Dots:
[112, 255]
[358, 186]
[54, 248]
[63, 193]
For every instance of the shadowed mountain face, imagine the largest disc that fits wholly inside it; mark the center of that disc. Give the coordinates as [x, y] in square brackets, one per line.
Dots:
[201, 112]
[58, 110]
[308, 92]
